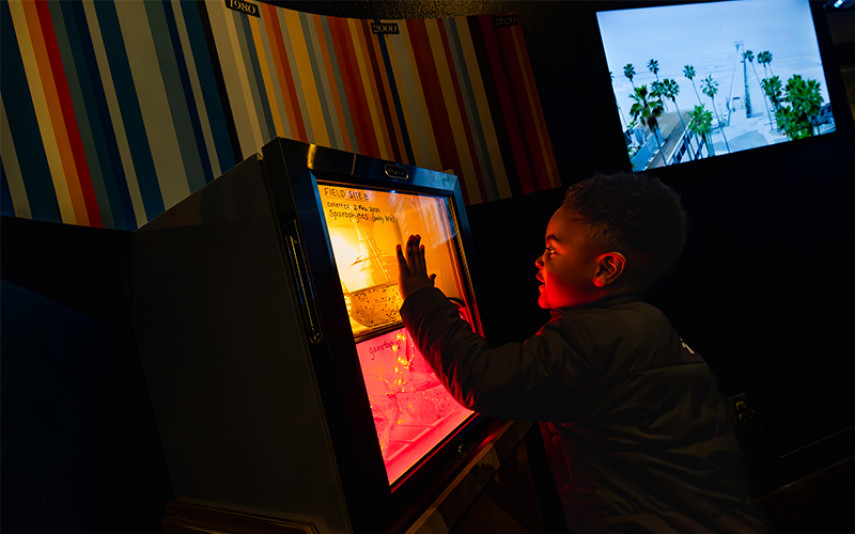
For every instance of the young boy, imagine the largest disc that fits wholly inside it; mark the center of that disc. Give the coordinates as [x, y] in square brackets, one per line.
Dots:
[639, 437]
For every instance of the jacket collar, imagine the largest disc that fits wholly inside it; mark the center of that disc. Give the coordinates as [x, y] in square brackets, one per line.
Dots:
[605, 302]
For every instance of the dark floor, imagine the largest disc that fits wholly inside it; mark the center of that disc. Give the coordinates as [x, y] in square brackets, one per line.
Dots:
[820, 503]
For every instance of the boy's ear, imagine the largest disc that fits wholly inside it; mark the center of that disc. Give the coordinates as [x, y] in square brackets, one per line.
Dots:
[610, 266]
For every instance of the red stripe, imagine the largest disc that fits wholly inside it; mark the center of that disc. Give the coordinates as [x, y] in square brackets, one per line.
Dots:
[520, 103]
[286, 79]
[345, 71]
[373, 85]
[370, 143]
[359, 114]
[500, 78]
[326, 57]
[550, 165]
[69, 118]
[448, 156]
[379, 71]
[467, 128]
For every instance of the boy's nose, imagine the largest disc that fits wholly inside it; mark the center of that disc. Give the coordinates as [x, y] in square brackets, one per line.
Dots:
[539, 262]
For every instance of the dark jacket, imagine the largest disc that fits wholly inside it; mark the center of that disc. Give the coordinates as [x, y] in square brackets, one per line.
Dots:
[638, 434]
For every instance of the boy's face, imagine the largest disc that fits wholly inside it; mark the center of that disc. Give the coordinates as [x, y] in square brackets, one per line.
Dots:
[568, 266]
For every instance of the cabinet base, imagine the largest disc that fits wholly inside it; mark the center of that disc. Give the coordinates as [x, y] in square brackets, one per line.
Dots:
[189, 518]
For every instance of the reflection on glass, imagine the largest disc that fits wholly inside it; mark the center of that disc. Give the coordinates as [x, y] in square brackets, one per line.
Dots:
[371, 282]
[364, 227]
[413, 412]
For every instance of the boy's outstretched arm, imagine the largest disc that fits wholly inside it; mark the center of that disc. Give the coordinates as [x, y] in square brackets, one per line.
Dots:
[412, 267]
[533, 380]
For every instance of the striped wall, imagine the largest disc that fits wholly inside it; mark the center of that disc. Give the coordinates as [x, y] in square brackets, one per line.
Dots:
[114, 111]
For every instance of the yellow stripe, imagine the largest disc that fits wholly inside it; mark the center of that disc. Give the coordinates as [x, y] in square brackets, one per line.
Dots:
[115, 112]
[268, 17]
[326, 52]
[154, 104]
[292, 124]
[543, 141]
[322, 81]
[259, 38]
[234, 76]
[244, 70]
[383, 84]
[288, 129]
[72, 179]
[455, 115]
[499, 174]
[306, 78]
[369, 85]
[17, 190]
[37, 92]
[416, 115]
[196, 88]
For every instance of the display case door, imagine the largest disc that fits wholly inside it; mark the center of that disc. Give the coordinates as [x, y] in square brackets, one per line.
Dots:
[413, 413]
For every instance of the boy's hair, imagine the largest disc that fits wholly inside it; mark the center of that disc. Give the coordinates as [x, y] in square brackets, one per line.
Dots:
[636, 215]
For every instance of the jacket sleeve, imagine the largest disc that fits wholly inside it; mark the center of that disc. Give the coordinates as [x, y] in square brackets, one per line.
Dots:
[545, 378]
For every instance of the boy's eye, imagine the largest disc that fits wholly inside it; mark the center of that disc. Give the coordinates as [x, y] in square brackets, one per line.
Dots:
[550, 251]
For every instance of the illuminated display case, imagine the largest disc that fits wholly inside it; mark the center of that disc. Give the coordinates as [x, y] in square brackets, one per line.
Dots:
[283, 380]
[411, 409]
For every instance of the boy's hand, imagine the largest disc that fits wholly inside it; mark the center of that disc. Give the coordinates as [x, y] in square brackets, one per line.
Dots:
[412, 267]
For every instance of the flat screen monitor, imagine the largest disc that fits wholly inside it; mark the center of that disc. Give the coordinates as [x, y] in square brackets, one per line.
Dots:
[706, 79]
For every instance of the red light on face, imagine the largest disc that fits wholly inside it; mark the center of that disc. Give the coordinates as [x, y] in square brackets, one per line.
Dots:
[413, 412]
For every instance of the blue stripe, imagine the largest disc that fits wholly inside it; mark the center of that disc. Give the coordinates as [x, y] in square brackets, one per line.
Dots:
[126, 93]
[6, 206]
[24, 126]
[390, 74]
[175, 96]
[321, 82]
[192, 110]
[76, 75]
[72, 78]
[471, 110]
[351, 132]
[256, 81]
[97, 114]
[214, 106]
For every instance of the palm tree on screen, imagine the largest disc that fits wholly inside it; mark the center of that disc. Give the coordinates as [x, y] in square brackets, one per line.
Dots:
[653, 66]
[805, 101]
[620, 111]
[648, 110]
[670, 89]
[772, 88]
[655, 87]
[700, 123]
[765, 58]
[629, 72]
[657, 91]
[747, 55]
[710, 89]
[750, 57]
[689, 72]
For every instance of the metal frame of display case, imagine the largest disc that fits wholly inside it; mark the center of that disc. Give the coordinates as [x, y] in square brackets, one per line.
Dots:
[251, 359]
